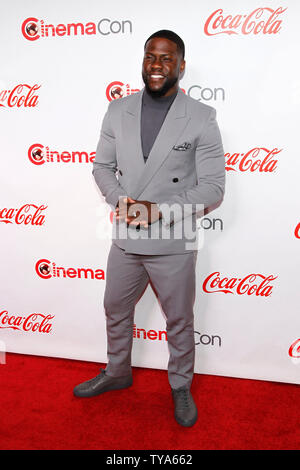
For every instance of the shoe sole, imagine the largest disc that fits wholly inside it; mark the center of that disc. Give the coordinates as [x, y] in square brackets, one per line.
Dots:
[103, 390]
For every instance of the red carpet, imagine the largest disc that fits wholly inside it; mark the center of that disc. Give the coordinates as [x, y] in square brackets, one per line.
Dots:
[39, 411]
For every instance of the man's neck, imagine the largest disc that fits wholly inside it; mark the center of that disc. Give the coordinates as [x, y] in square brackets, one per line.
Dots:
[158, 97]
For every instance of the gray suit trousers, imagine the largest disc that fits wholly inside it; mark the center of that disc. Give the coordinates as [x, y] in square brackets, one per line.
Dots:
[173, 280]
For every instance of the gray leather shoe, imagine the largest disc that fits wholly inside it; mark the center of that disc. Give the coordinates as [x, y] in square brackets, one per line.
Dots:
[185, 409]
[100, 384]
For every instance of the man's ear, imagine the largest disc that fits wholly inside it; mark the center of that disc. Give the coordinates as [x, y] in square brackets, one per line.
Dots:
[182, 66]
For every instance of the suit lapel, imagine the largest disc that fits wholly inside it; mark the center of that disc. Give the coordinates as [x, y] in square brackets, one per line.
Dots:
[173, 126]
[132, 134]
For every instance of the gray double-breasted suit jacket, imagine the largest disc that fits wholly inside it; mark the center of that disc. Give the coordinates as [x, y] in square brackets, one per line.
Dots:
[185, 169]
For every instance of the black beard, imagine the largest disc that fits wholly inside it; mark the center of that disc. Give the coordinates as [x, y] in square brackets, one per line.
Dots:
[170, 82]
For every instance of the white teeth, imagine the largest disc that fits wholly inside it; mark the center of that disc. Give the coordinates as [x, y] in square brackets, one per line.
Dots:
[157, 76]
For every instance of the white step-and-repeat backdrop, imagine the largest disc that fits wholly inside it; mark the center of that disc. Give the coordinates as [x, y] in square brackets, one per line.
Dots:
[61, 64]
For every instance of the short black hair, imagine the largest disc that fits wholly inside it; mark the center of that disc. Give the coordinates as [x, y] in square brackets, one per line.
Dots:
[167, 34]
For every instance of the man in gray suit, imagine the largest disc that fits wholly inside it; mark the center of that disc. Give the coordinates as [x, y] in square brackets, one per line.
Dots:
[159, 164]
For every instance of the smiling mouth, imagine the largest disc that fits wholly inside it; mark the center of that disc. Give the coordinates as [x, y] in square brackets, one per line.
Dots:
[156, 76]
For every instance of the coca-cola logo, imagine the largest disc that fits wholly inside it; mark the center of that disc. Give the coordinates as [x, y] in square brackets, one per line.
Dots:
[28, 214]
[39, 154]
[259, 159]
[297, 231]
[259, 21]
[35, 322]
[47, 269]
[294, 349]
[21, 95]
[252, 284]
[34, 28]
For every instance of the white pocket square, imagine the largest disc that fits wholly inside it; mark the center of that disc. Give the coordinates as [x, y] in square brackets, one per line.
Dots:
[182, 147]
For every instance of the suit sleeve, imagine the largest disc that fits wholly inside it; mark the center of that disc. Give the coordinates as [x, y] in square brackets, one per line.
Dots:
[105, 163]
[210, 168]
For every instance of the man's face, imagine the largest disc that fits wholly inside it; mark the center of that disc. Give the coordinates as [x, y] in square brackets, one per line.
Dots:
[162, 66]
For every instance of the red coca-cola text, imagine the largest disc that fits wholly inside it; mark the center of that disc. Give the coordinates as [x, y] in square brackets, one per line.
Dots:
[249, 161]
[35, 322]
[261, 20]
[257, 284]
[21, 95]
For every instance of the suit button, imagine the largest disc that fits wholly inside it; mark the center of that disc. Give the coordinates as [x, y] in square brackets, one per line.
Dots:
[120, 172]
[175, 180]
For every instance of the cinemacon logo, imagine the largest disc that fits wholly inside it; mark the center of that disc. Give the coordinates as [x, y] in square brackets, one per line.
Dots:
[39, 154]
[259, 21]
[161, 335]
[116, 90]
[47, 269]
[34, 322]
[21, 95]
[34, 28]
[28, 214]
[252, 284]
[259, 159]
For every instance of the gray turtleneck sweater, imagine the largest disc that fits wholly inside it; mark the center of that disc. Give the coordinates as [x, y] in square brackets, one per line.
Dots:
[154, 111]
